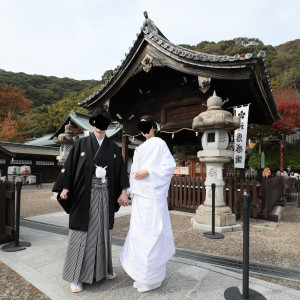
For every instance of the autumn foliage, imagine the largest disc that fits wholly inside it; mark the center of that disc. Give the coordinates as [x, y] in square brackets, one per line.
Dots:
[288, 103]
[13, 104]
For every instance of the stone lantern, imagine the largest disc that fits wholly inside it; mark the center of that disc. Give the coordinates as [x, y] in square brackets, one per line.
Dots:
[214, 123]
[66, 141]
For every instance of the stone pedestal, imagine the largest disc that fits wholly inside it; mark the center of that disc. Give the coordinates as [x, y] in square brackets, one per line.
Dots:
[214, 160]
[223, 216]
[219, 229]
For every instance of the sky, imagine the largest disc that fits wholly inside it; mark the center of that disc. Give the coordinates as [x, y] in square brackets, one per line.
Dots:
[82, 39]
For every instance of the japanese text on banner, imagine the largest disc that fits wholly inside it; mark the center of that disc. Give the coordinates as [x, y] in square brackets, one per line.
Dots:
[240, 137]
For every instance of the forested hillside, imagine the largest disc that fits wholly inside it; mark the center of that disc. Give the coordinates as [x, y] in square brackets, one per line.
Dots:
[283, 61]
[33, 105]
[45, 90]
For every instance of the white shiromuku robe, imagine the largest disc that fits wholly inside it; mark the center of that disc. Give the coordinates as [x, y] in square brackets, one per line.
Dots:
[149, 243]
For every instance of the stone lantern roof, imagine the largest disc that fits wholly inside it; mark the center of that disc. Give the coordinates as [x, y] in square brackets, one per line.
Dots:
[68, 137]
[215, 117]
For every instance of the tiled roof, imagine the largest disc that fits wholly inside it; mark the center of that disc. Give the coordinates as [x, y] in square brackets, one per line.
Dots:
[18, 148]
[7, 152]
[181, 52]
[81, 120]
[43, 141]
[153, 36]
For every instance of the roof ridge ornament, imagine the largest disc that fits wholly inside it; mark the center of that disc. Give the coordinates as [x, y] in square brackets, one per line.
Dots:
[261, 54]
[204, 83]
[149, 23]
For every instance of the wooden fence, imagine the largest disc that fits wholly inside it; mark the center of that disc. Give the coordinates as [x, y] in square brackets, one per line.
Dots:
[187, 194]
[7, 211]
[271, 192]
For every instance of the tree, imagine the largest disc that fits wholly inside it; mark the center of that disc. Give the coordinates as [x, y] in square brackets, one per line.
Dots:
[288, 103]
[13, 104]
[45, 90]
[284, 67]
[7, 128]
[48, 118]
[272, 152]
[106, 75]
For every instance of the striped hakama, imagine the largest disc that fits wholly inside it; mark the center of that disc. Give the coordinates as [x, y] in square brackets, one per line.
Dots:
[88, 255]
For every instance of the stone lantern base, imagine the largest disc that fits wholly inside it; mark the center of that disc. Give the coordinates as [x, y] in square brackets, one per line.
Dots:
[225, 220]
[223, 215]
[219, 229]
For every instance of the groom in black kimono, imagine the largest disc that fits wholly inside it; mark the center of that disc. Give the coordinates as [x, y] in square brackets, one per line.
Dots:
[92, 180]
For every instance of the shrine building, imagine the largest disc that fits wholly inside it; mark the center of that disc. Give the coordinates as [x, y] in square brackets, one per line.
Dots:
[172, 83]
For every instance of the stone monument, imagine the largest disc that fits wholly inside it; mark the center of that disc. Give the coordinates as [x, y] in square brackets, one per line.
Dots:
[214, 123]
[66, 141]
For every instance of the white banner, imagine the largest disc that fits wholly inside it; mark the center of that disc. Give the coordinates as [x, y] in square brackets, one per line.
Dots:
[240, 137]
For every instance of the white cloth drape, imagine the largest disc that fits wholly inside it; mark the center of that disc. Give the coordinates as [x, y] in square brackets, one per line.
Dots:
[149, 243]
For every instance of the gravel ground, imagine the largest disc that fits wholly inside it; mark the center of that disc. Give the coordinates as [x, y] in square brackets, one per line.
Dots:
[13, 286]
[35, 202]
[280, 246]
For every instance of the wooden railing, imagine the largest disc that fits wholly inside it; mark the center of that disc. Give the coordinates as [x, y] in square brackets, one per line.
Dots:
[7, 211]
[271, 192]
[187, 194]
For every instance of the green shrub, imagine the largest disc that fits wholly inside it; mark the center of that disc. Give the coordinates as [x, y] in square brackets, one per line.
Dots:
[272, 156]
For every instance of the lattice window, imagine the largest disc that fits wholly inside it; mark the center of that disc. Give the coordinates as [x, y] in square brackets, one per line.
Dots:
[21, 162]
[44, 163]
[222, 137]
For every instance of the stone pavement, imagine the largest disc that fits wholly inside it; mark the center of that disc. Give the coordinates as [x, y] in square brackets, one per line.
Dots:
[42, 263]
[61, 218]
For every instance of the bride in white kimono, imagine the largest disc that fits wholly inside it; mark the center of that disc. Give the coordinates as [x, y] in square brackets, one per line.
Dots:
[149, 243]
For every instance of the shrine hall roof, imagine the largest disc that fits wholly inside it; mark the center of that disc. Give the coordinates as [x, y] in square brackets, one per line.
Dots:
[18, 148]
[79, 120]
[152, 35]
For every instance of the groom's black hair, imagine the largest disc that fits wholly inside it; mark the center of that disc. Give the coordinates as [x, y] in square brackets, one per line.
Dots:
[100, 111]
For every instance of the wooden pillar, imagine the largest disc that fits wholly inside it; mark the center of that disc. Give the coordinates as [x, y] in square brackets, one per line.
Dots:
[225, 170]
[192, 167]
[169, 142]
[125, 149]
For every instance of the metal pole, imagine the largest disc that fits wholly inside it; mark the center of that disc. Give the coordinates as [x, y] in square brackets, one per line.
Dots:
[246, 202]
[213, 192]
[17, 233]
[233, 293]
[17, 245]
[298, 191]
[213, 234]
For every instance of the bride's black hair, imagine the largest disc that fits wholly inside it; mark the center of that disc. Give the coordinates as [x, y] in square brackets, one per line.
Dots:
[152, 121]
